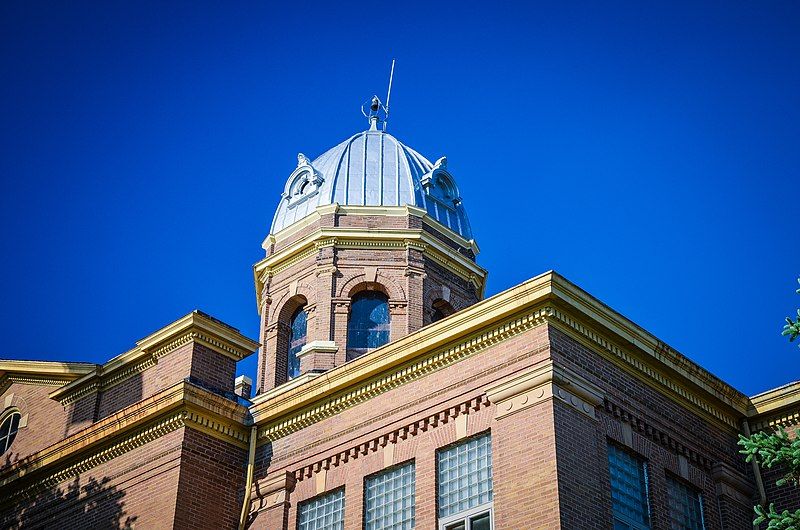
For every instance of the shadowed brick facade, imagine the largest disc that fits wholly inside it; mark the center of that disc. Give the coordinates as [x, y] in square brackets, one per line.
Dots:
[550, 377]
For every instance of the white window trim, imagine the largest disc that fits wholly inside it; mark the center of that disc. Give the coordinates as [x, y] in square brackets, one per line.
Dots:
[466, 514]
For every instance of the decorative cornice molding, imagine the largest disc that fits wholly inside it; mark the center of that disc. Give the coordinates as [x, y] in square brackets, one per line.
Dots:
[542, 299]
[542, 382]
[643, 370]
[143, 436]
[180, 405]
[36, 379]
[387, 211]
[397, 377]
[196, 327]
[346, 237]
[785, 419]
[41, 373]
[656, 434]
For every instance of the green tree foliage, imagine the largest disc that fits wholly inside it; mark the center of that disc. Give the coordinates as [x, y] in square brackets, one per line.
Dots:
[777, 450]
[792, 327]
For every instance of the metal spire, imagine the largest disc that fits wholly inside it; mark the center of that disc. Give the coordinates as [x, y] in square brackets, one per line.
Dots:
[376, 106]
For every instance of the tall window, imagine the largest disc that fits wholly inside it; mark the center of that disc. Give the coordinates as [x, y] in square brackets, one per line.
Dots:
[389, 500]
[464, 476]
[8, 431]
[368, 327]
[322, 513]
[685, 506]
[297, 339]
[628, 490]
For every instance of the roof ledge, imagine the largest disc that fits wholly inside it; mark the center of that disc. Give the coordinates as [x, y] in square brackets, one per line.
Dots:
[194, 327]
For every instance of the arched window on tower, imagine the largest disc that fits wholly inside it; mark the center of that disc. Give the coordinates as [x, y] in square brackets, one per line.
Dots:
[368, 327]
[440, 310]
[297, 339]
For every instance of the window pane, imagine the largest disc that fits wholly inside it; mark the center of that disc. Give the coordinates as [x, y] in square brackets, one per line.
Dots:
[628, 486]
[297, 339]
[389, 500]
[465, 475]
[480, 522]
[368, 326]
[323, 513]
[456, 526]
[8, 431]
[685, 506]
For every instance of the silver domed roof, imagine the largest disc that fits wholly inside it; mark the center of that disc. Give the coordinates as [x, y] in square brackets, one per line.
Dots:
[372, 168]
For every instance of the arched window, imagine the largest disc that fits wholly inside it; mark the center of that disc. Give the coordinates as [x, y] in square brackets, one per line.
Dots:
[297, 339]
[440, 310]
[8, 430]
[368, 327]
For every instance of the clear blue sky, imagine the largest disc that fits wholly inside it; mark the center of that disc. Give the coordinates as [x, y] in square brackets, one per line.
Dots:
[648, 153]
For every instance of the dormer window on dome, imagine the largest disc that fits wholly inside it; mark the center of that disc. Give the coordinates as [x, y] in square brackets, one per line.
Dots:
[442, 197]
[303, 183]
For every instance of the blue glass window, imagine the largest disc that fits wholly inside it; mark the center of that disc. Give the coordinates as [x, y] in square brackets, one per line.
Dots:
[369, 323]
[685, 506]
[297, 339]
[628, 490]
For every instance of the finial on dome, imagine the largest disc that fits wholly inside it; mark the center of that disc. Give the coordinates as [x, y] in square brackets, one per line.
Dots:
[375, 108]
[302, 160]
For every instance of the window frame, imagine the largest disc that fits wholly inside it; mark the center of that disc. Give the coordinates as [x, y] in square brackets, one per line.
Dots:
[292, 318]
[8, 415]
[334, 491]
[641, 461]
[670, 477]
[352, 352]
[390, 469]
[467, 515]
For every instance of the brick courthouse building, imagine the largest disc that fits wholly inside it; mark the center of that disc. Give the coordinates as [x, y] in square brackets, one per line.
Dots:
[389, 393]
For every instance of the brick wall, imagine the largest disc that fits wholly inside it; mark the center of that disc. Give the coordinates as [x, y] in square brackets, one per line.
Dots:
[550, 460]
[138, 488]
[211, 486]
[46, 420]
[670, 438]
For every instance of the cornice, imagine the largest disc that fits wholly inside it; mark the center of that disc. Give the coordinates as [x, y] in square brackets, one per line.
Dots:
[181, 405]
[46, 368]
[647, 373]
[404, 373]
[387, 211]
[775, 399]
[41, 373]
[347, 237]
[195, 327]
[547, 298]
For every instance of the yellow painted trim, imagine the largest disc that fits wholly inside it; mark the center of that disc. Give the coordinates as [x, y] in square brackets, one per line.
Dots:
[181, 405]
[490, 322]
[367, 238]
[194, 327]
[47, 368]
[775, 399]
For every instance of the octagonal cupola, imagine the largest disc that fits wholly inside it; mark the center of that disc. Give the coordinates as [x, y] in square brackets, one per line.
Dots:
[370, 242]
